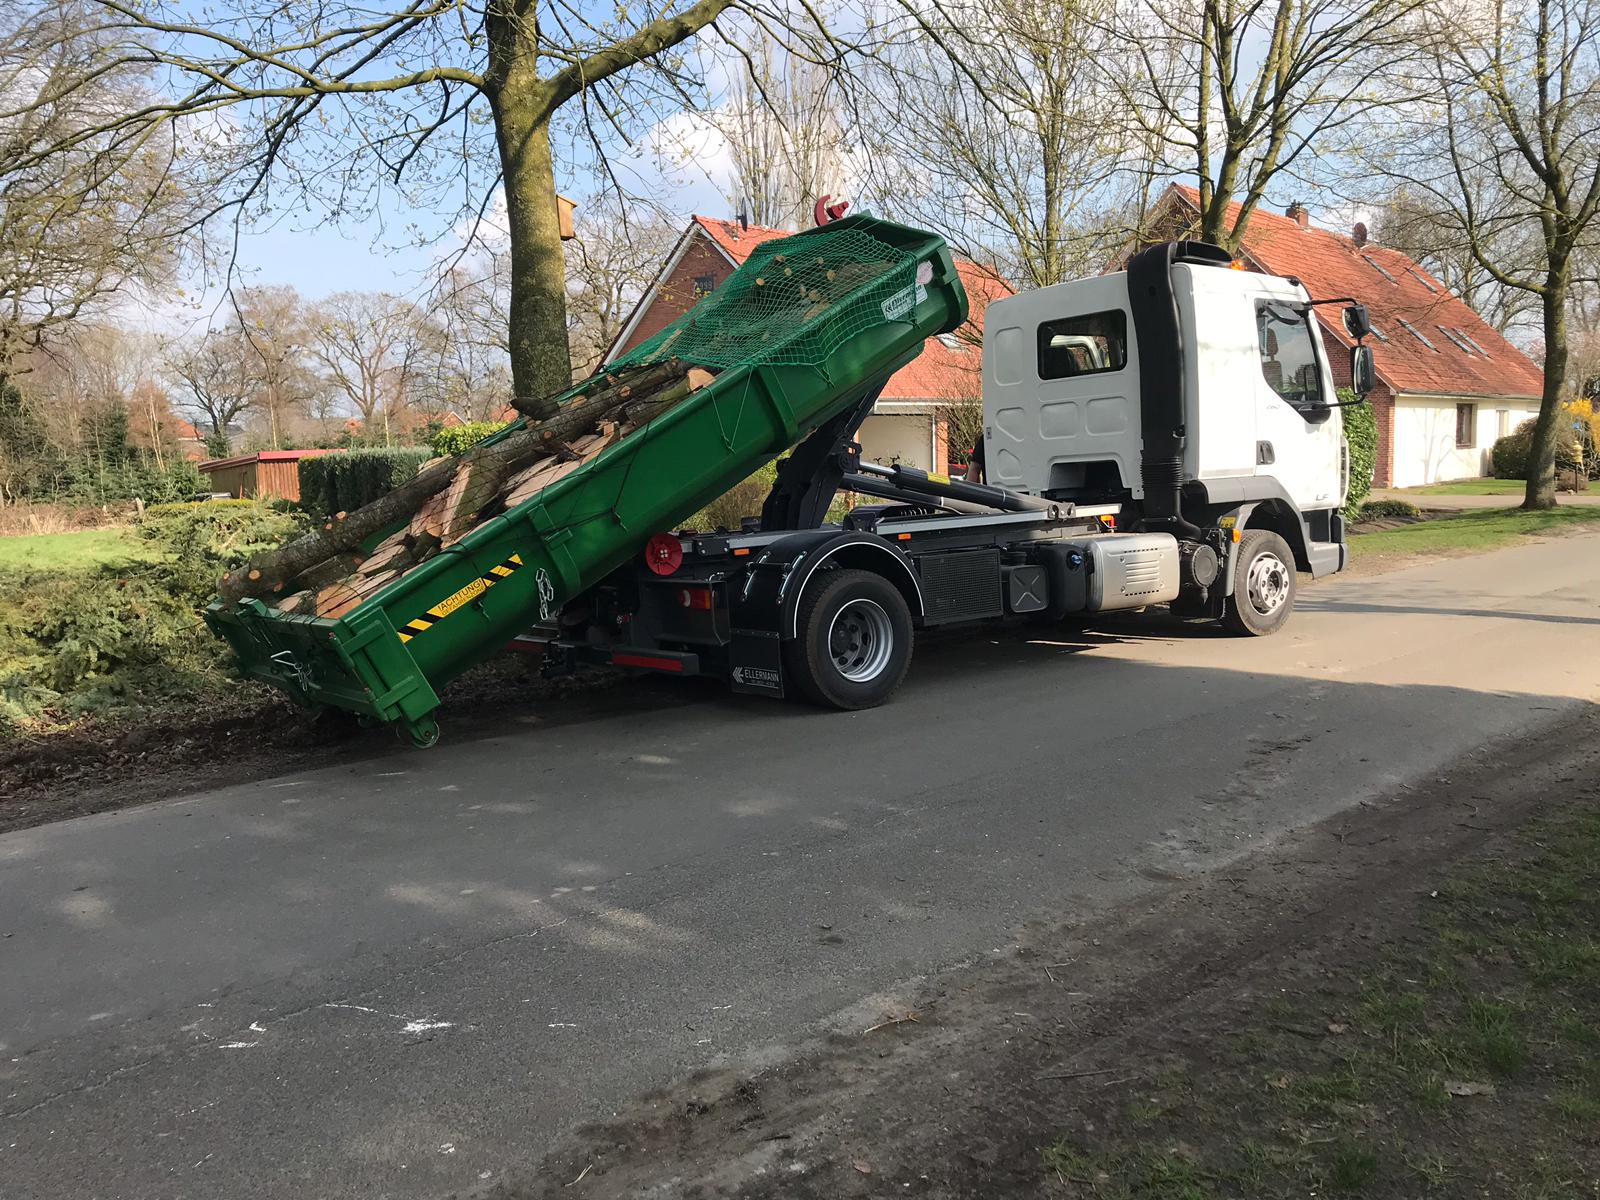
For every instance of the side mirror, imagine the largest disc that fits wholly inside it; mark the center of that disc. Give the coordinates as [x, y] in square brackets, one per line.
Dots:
[1356, 321]
[1363, 373]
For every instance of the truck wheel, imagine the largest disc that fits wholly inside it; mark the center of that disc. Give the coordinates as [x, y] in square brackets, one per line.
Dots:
[1263, 584]
[852, 643]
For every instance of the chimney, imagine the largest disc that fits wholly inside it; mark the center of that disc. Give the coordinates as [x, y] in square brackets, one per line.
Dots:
[1358, 235]
[1297, 213]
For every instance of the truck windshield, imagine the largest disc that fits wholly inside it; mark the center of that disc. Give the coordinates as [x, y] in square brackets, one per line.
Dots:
[1289, 354]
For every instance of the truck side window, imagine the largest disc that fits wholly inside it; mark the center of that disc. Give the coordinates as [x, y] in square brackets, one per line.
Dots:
[1289, 354]
[1084, 345]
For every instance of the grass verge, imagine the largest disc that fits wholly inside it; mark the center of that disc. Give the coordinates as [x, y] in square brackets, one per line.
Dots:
[1471, 532]
[1460, 1059]
[82, 550]
[1470, 487]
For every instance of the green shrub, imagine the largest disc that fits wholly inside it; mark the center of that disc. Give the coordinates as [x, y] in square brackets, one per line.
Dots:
[456, 438]
[743, 499]
[117, 641]
[1508, 458]
[333, 483]
[1374, 510]
[196, 543]
[1361, 432]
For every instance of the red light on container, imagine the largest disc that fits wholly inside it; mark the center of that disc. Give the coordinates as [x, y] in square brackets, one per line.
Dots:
[663, 554]
[695, 597]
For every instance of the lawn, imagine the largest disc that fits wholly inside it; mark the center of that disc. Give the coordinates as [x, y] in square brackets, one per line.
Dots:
[1471, 532]
[65, 553]
[1470, 487]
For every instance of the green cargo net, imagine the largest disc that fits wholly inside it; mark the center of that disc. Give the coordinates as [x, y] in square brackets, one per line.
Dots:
[795, 301]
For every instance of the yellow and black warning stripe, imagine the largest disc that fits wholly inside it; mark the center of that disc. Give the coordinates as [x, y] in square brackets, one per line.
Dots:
[454, 601]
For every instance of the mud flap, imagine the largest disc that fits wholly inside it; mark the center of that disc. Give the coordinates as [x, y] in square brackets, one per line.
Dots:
[756, 661]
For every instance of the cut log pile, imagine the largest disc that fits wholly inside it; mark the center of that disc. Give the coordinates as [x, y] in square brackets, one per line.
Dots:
[327, 572]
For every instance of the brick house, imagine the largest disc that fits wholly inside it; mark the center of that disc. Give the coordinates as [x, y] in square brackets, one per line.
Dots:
[1449, 384]
[906, 425]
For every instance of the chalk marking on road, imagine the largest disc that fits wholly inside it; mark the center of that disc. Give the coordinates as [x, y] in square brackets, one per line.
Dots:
[412, 1024]
[236, 1045]
[424, 1026]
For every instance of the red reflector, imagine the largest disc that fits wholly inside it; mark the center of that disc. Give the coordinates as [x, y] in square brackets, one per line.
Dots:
[648, 661]
[696, 597]
[663, 554]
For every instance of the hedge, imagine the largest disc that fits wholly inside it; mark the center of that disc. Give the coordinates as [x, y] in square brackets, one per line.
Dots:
[456, 438]
[333, 483]
[1361, 431]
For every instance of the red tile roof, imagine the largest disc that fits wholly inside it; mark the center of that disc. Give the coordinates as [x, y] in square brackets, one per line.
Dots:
[949, 366]
[1395, 290]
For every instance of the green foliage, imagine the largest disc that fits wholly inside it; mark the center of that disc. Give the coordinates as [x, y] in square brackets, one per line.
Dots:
[332, 483]
[116, 639]
[742, 500]
[1361, 432]
[1374, 510]
[1509, 456]
[104, 468]
[193, 544]
[456, 438]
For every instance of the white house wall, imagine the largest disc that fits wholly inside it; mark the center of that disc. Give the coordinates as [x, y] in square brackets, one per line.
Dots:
[906, 438]
[1425, 449]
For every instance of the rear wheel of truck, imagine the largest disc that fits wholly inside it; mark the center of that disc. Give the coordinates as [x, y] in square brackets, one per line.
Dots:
[1263, 584]
[852, 643]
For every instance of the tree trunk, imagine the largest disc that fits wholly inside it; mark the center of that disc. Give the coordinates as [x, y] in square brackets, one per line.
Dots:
[1541, 490]
[541, 367]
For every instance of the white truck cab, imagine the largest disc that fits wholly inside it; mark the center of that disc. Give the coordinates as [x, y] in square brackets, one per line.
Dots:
[1198, 395]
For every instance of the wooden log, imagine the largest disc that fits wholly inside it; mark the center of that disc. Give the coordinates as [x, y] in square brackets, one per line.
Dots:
[429, 517]
[389, 553]
[277, 567]
[336, 599]
[332, 569]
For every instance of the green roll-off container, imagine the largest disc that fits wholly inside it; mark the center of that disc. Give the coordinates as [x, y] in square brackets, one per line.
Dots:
[798, 334]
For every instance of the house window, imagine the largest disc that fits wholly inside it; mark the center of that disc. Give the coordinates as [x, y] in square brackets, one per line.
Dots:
[1088, 345]
[704, 285]
[1289, 353]
[1466, 426]
[1502, 422]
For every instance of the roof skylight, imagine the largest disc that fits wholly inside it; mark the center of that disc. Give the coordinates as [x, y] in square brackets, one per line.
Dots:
[1374, 264]
[1416, 333]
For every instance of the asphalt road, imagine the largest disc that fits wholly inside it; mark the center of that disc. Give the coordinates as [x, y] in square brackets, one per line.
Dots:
[406, 976]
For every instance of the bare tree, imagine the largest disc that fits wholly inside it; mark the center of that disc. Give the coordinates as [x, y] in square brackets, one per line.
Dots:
[84, 212]
[216, 375]
[1407, 222]
[365, 343]
[1511, 165]
[273, 323]
[993, 123]
[611, 262]
[343, 99]
[782, 126]
[1242, 92]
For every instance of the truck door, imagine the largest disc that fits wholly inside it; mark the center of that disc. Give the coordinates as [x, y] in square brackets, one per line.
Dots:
[1298, 435]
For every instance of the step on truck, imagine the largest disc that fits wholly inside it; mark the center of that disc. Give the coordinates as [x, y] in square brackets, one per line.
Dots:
[1164, 435]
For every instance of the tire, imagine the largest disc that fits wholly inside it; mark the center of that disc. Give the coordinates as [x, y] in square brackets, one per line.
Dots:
[852, 645]
[1264, 585]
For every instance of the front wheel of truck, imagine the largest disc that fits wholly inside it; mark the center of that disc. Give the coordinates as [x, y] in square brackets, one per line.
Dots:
[852, 643]
[1263, 584]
